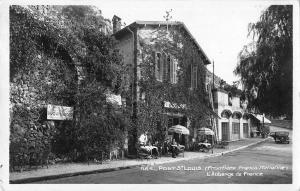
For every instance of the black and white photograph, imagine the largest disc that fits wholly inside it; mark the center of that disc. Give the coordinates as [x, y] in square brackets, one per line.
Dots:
[149, 92]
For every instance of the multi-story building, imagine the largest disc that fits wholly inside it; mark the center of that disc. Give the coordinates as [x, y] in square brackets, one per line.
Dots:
[131, 42]
[234, 122]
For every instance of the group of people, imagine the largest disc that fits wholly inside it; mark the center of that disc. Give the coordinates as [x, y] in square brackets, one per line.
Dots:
[173, 147]
[146, 147]
[157, 148]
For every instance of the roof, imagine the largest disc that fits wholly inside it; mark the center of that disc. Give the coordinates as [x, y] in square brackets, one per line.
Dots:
[261, 118]
[116, 18]
[170, 23]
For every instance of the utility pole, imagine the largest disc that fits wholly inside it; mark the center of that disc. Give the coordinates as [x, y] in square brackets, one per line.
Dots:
[263, 125]
[213, 75]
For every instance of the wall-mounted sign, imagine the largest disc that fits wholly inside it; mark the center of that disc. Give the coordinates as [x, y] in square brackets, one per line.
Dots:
[114, 99]
[174, 106]
[57, 112]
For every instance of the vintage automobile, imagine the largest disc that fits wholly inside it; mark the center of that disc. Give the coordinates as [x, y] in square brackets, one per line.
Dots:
[280, 136]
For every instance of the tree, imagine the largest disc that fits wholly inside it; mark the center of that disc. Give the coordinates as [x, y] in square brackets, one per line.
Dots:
[266, 65]
[99, 126]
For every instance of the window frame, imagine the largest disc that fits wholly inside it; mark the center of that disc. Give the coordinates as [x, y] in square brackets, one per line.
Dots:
[194, 76]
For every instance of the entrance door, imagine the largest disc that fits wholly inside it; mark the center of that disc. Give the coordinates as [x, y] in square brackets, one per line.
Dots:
[235, 131]
[225, 131]
[245, 130]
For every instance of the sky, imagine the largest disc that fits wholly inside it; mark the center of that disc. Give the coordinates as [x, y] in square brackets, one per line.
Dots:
[220, 27]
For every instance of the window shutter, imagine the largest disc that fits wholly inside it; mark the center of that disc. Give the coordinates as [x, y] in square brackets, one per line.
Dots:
[171, 69]
[191, 76]
[165, 67]
[156, 64]
[153, 64]
[168, 69]
[161, 68]
[196, 76]
[175, 71]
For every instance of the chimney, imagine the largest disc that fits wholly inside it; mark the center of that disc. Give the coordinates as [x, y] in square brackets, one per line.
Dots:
[116, 23]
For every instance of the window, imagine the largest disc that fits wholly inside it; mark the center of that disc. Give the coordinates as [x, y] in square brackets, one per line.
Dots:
[225, 114]
[169, 69]
[235, 128]
[158, 66]
[165, 67]
[245, 128]
[236, 115]
[173, 69]
[229, 99]
[194, 73]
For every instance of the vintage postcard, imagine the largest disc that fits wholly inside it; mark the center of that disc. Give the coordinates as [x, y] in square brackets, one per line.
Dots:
[139, 93]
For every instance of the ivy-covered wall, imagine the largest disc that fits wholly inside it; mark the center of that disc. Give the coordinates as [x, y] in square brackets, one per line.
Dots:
[178, 45]
[36, 75]
[49, 56]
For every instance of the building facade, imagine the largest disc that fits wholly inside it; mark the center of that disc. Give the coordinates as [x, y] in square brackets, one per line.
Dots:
[234, 122]
[167, 64]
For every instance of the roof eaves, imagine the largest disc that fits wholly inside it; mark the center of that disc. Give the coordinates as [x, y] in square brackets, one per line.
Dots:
[141, 23]
[197, 44]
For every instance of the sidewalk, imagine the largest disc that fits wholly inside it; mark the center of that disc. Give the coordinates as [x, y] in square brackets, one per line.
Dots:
[73, 169]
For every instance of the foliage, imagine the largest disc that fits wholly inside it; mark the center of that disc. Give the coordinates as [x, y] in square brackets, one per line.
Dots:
[99, 127]
[40, 72]
[192, 103]
[232, 89]
[52, 48]
[28, 135]
[266, 65]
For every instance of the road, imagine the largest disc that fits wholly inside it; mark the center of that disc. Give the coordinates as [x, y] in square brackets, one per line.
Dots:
[274, 128]
[275, 161]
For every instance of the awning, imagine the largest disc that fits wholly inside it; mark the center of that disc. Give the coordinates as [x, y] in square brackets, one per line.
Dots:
[261, 118]
[173, 114]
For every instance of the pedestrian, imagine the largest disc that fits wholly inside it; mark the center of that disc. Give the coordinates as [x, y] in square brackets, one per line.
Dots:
[174, 148]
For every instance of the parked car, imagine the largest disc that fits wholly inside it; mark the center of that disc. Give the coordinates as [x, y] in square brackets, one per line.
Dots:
[280, 136]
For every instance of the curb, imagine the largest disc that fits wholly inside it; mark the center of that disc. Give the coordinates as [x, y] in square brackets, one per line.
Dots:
[57, 176]
[217, 154]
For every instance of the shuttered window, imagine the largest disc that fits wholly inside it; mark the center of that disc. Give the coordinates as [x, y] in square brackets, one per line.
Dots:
[169, 68]
[173, 70]
[194, 74]
[166, 67]
[158, 66]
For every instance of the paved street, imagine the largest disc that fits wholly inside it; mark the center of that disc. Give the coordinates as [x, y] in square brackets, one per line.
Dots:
[274, 128]
[274, 163]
